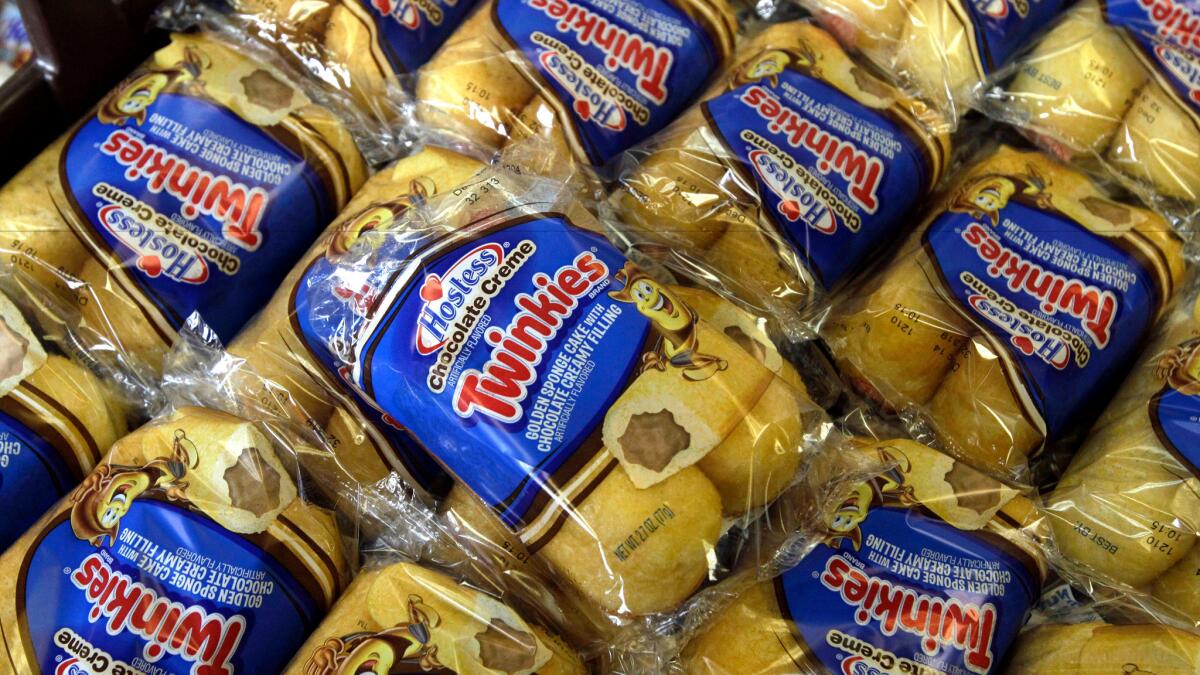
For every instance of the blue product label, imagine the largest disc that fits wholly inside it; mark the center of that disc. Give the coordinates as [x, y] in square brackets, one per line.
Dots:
[1168, 33]
[835, 176]
[207, 211]
[1175, 411]
[1002, 27]
[32, 478]
[412, 30]
[1068, 306]
[169, 592]
[502, 354]
[622, 70]
[896, 590]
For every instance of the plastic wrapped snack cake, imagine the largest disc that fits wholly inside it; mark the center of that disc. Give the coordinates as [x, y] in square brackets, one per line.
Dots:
[594, 76]
[1007, 315]
[800, 159]
[194, 185]
[607, 418]
[930, 566]
[188, 550]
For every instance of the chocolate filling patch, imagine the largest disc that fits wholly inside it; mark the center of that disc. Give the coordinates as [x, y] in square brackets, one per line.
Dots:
[748, 344]
[13, 348]
[253, 484]
[653, 439]
[262, 89]
[1113, 213]
[973, 490]
[506, 649]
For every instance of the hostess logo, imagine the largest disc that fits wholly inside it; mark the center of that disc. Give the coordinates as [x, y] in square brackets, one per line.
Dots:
[409, 13]
[895, 608]
[157, 255]
[591, 103]
[1001, 9]
[1183, 66]
[1094, 308]
[857, 665]
[1028, 339]
[623, 50]
[796, 201]
[446, 298]
[829, 153]
[239, 208]
[208, 640]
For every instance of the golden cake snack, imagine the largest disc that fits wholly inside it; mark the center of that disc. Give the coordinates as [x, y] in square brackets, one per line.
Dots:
[365, 444]
[57, 419]
[595, 76]
[929, 566]
[188, 550]
[942, 50]
[363, 47]
[1096, 647]
[1115, 82]
[800, 159]
[402, 617]
[579, 397]
[194, 185]
[1006, 316]
[1127, 509]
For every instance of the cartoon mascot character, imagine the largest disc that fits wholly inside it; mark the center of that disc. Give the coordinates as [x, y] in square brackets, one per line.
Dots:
[982, 198]
[673, 320]
[132, 97]
[107, 494]
[382, 217]
[844, 525]
[404, 648]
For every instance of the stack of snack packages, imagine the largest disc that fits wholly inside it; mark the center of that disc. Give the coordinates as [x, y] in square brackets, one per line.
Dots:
[565, 336]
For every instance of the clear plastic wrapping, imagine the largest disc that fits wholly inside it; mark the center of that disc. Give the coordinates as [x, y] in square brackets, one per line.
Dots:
[299, 378]
[1112, 84]
[1127, 510]
[920, 563]
[797, 166]
[941, 50]
[1005, 321]
[592, 76]
[359, 53]
[194, 185]
[193, 547]
[607, 423]
[398, 616]
[67, 396]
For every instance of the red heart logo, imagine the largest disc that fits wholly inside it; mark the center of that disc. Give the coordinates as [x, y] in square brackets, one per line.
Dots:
[583, 109]
[432, 288]
[790, 209]
[150, 264]
[1024, 344]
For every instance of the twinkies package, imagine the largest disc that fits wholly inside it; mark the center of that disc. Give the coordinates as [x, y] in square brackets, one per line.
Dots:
[299, 378]
[193, 186]
[592, 76]
[361, 49]
[190, 549]
[1005, 321]
[941, 50]
[927, 566]
[66, 397]
[1127, 510]
[797, 166]
[400, 616]
[1113, 84]
[605, 420]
